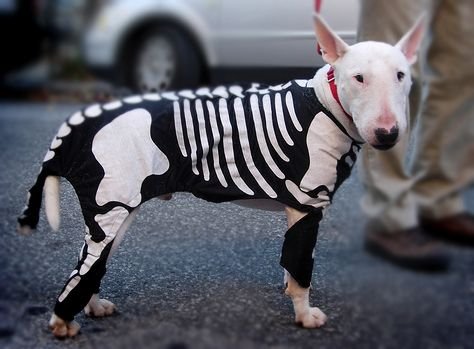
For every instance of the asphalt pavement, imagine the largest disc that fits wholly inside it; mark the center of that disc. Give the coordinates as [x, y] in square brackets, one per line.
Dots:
[191, 274]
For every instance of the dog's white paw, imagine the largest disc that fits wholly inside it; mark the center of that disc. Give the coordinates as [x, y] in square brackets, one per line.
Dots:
[99, 307]
[63, 329]
[313, 318]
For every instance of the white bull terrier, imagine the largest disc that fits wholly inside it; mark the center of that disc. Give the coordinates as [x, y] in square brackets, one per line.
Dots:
[285, 147]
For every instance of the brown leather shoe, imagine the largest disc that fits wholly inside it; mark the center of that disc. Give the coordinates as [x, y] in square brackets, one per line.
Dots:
[458, 228]
[410, 248]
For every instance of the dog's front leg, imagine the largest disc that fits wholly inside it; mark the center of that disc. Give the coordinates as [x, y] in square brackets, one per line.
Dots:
[298, 256]
[62, 329]
[98, 307]
[307, 316]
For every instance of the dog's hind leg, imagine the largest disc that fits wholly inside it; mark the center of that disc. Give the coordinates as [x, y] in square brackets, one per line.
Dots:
[297, 259]
[83, 284]
[98, 307]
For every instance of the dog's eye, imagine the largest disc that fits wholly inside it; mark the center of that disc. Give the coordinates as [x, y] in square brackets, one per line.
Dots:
[400, 75]
[359, 78]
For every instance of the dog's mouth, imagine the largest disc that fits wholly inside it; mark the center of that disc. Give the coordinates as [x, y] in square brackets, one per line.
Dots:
[384, 146]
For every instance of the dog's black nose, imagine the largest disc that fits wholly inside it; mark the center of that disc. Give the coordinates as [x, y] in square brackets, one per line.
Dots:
[386, 139]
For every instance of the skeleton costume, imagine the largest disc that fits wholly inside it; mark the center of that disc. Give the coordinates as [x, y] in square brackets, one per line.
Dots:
[253, 142]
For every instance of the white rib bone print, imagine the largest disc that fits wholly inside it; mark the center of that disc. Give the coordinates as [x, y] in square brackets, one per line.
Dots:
[203, 137]
[267, 111]
[229, 149]
[209, 136]
[217, 138]
[262, 143]
[243, 136]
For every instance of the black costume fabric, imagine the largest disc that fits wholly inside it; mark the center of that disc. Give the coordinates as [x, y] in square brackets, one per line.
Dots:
[297, 255]
[270, 143]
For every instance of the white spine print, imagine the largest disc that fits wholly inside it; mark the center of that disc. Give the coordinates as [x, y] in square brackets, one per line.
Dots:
[187, 94]
[204, 91]
[93, 111]
[220, 91]
[243, 136]
[76, 119]
[170, 96]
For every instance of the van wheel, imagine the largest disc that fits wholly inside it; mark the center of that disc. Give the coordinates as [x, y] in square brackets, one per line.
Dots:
[163, 58]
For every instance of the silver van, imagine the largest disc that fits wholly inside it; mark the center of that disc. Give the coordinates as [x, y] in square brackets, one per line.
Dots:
[153, 45]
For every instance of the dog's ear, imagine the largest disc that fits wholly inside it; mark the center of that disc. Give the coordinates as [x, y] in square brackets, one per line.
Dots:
[332, 46]
[410, 43]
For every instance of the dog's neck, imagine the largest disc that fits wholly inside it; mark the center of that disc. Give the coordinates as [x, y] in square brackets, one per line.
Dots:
[323, 92]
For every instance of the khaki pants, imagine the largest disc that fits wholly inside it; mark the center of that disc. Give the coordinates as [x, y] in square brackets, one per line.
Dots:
[442, 109]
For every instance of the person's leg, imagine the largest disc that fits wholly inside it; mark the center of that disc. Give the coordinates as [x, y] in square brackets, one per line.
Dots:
[389, 202]
[444, 158]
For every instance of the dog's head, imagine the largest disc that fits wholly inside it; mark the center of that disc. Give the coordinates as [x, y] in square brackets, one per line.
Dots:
[373, 81]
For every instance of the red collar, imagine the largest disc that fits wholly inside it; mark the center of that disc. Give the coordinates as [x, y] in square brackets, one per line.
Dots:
[333, 87]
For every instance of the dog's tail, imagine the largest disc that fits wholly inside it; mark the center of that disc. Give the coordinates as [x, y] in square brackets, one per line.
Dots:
[30, 216]
[51, 201]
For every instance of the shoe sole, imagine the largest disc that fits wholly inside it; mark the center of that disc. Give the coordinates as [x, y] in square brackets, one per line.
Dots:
[452, 239]
[428, 264]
